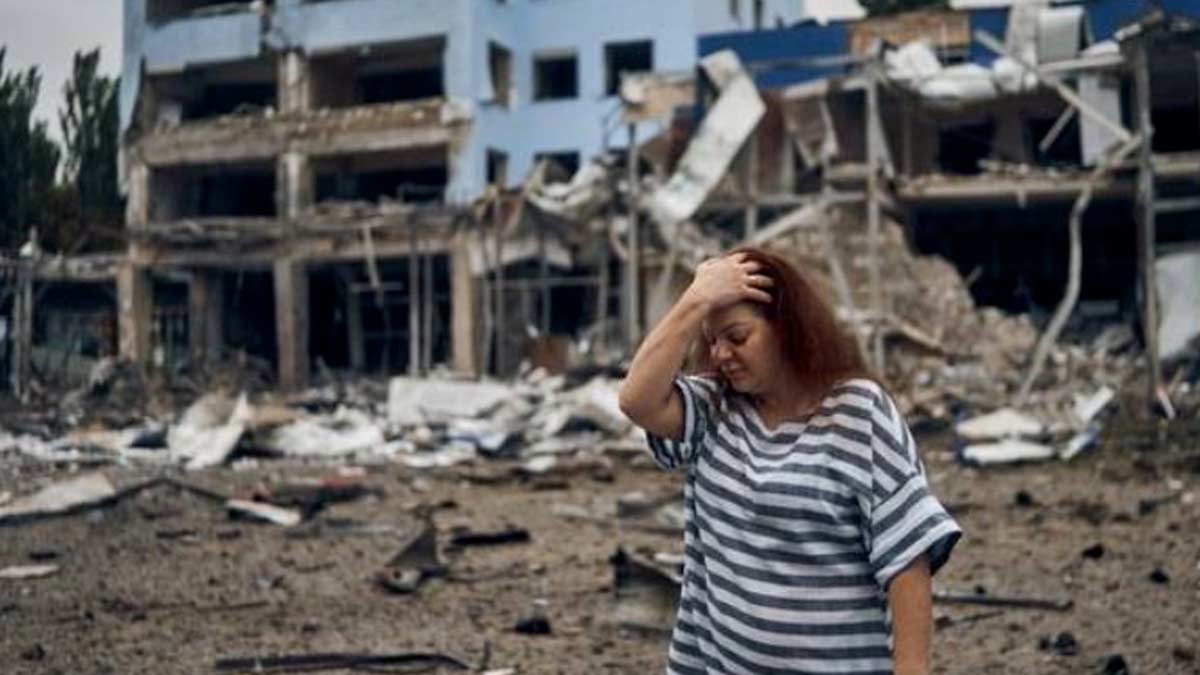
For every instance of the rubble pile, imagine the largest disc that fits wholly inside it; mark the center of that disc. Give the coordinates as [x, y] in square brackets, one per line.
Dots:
[420, 422]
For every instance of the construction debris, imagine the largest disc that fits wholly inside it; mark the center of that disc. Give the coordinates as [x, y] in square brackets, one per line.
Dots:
[28, 571]
[81, 492]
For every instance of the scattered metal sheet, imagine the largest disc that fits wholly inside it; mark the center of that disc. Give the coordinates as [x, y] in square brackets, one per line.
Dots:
[290, 663]
[416, 561]
[647, 598]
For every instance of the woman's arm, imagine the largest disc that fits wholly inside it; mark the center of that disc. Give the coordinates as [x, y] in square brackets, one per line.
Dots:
[910, 595]
[648, 396]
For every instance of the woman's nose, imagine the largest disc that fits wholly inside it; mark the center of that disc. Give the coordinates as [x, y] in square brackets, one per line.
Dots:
[719, 352]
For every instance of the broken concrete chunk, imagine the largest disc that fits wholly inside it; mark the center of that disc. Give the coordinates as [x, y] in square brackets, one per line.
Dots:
[61, 497]
[1003, 423]
[415, 401]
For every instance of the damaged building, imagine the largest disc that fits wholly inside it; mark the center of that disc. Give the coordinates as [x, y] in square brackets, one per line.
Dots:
[1004, 137]
[310, 182]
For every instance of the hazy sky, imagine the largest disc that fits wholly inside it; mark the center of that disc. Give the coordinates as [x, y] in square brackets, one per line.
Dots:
[47, 33]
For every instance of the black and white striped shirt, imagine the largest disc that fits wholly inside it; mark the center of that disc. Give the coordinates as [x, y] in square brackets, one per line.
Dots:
[793, 534]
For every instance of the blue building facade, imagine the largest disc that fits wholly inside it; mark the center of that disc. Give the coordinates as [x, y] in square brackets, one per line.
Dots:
[535, 77]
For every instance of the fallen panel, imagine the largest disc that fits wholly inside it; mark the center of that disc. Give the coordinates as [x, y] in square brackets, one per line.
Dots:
[721, 135]
[61, 497]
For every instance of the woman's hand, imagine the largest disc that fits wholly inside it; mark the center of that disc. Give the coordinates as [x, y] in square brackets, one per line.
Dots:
[724, 281]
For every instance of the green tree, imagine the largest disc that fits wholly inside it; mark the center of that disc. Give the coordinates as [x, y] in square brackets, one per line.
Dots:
[89, 123]
[881, 7]
[28, 158]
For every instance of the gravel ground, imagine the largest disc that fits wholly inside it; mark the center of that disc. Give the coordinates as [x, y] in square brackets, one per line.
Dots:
[166, 582]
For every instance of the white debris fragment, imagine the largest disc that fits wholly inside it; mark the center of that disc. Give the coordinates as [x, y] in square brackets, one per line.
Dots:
[1007, 451]
[346, 432]
[28, 571]
[415, 401]
[1087, 407]
[266, 512]
[1003, 423]
[209, 430]
[447, 455]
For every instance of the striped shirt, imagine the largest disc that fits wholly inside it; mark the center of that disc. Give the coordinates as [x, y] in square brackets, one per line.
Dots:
[793, 534]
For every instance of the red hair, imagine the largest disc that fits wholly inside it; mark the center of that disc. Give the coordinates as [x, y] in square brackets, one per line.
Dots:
[812, 342]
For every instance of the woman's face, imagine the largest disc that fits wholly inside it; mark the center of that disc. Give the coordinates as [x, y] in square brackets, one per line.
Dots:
[742, 345]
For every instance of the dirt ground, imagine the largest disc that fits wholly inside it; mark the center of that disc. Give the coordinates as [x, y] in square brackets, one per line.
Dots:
[167, 582]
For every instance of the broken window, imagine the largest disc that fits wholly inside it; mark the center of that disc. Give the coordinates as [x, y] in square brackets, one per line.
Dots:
[563, 165]
[236, 190]
[388, 73]
[961, 147]
[365, 327]
[242, 88]
[626, 57]
[418, 175]
[555, 76]
[160, 11]
[500, 68]
[497, 167]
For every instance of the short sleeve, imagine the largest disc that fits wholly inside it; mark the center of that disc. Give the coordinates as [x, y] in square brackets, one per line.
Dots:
[904, 518]
[699, 395]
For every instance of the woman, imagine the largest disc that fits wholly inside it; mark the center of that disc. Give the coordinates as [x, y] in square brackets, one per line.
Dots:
[811, 533]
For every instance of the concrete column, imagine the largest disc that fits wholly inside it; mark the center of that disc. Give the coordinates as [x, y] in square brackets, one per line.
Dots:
[137, 205]
[291, 322]
[135, 297]
[354, 323]
[464, 307]
[295, 85]
[294, 184]
[21, 361]
[205, 316]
